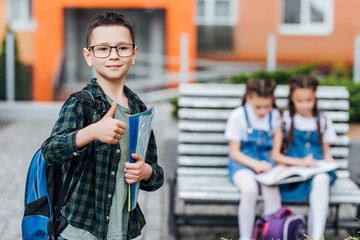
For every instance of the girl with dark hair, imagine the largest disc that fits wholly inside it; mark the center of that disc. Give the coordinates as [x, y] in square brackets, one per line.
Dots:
[308, 135]
[249, 132]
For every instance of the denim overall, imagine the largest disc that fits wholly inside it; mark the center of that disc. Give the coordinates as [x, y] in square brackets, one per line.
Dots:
[304, 143]
[257, 146]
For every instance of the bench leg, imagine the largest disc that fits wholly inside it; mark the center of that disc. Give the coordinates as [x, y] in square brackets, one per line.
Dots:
[172, 217]
[336, 223]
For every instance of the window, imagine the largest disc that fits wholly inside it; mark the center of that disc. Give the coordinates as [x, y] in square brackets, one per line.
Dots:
[215, 39]
[307, 17]
[20, 15]
[216, 20]
[217, 12]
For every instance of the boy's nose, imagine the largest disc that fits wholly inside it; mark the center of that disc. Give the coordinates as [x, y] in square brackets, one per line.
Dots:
[113, 53]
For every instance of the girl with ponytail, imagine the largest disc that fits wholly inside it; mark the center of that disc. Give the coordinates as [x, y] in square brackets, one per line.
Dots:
[308, 135]
[249, 132]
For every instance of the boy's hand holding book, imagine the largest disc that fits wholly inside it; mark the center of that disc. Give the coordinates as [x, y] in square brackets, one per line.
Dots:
[137, 171]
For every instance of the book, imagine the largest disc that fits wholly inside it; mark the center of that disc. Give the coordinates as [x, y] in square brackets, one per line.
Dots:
[140, 126]
[282, 174]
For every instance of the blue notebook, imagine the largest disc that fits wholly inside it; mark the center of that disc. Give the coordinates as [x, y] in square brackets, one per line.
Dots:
[139, 134]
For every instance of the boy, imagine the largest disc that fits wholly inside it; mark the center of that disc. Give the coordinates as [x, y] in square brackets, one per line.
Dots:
[97, 208]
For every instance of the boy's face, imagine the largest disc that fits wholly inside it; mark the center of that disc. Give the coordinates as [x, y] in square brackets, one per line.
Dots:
[112, 68]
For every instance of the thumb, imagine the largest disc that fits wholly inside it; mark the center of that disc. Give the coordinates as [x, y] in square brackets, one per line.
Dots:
[111, 111]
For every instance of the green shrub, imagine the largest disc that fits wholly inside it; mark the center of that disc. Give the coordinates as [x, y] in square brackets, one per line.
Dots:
[22, 81]
[340, 76]
[174, 103]
[280, 76]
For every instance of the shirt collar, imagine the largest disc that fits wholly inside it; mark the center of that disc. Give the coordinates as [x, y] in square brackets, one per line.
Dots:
[135, 104]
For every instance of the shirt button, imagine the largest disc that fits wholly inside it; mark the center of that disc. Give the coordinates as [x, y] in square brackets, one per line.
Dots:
[75, 153]
[109, 195]
[118, 150]
[112, 173]
[307, 145]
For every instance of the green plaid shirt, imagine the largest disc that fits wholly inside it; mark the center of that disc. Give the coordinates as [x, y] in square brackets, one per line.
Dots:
[89, 205]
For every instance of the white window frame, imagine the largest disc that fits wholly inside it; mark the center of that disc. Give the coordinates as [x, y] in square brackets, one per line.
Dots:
[26, 22]
[306, 27]
[210, 19]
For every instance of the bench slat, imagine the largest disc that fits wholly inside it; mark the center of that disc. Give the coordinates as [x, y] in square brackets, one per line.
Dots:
[343, 191]
[224, 172]
[237, 90]
[203, 126]
[211, 102]
[219, 138]
[222, 115]
[210, 161]
[202, 149]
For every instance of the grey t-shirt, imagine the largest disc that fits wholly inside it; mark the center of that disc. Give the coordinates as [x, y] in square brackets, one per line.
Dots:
[119, 215]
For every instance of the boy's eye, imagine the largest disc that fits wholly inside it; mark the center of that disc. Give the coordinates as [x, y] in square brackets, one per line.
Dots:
[123, 48]
[103, 49]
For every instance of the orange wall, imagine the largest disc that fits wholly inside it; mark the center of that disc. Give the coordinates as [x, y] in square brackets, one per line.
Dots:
[25, 40]
[49, 33]
[337, 47]
[258, 18]
[2, 20]
[26, 51]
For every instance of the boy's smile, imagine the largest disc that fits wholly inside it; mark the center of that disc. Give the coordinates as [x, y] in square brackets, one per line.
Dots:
[111, 68]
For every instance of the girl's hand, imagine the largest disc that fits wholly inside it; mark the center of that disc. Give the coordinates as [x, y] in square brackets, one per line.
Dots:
[329, 159]
[137, 171]
[308, 162]
[262, 166]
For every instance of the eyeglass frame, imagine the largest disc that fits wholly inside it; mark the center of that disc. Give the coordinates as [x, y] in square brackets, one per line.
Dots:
[111, 47]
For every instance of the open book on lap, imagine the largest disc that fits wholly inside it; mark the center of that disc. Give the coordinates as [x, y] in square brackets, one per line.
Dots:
[282, 174]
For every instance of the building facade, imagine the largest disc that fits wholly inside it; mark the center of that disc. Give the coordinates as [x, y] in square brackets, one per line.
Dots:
[50, 37]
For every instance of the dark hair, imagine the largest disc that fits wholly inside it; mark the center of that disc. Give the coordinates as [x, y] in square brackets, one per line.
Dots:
[306, 82]
[261, 87]
[109, 19]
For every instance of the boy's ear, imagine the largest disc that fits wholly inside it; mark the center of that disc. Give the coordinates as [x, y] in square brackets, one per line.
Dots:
[87, 57]
[133, 60]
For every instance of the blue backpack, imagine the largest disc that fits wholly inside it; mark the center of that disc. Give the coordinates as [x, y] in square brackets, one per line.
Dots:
[44, 191]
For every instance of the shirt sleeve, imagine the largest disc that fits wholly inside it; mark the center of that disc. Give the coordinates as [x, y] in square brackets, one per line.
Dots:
[157, 177]
[233, 126]
[329, 130]
[60, 146]
[276, 119]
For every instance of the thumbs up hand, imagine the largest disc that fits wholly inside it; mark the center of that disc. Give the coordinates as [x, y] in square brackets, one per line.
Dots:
[108, 129]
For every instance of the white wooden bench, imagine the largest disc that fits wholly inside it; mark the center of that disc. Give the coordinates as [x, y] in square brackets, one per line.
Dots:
[202, 175]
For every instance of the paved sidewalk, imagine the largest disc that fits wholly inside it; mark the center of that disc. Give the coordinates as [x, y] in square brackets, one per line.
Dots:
[22, 134]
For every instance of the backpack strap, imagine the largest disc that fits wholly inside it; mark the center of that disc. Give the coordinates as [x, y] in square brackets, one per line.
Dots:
[88, 105]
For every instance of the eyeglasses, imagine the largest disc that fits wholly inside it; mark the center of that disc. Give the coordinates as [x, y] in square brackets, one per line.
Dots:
[103, 51]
